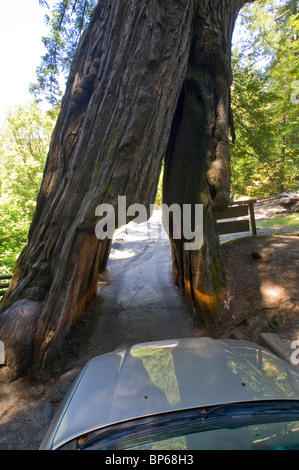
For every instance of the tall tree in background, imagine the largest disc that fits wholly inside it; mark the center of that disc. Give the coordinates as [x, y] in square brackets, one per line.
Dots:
[255, 164]
[284, 73]
[67, 21]
[148, 80]
[265, 65]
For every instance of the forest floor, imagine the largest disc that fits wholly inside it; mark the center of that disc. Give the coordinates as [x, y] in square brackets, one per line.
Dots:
[262, 277]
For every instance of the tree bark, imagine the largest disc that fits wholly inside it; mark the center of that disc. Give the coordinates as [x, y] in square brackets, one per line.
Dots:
[197, 164]
[110, 138]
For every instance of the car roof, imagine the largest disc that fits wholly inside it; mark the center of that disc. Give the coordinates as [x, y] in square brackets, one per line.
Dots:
[170, 375]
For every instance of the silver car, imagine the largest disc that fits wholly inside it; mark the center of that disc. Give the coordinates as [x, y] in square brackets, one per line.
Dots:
[192, 393]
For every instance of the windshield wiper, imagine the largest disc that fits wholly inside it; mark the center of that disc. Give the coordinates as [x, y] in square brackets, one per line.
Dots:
[288, 408]
[266, 408]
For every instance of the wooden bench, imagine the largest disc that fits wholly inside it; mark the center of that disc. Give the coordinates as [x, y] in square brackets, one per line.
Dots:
[4, 285]
[237, 209]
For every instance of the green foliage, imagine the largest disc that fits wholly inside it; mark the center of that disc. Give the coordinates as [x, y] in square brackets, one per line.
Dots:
[67, 21]
[265, 65]
[254, 165]
[159, 195]
[24, 141]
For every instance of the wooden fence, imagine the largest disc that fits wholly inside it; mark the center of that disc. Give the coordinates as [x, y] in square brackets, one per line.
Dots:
[4, 285]
[235, 210]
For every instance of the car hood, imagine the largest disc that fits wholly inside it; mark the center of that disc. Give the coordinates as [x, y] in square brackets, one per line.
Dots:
[163, 376]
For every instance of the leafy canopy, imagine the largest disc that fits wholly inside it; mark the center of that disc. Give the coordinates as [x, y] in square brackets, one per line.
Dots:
[24, 142]
[67, 21]
[265, 156]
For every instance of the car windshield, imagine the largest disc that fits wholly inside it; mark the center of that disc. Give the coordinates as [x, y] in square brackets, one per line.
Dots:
[271, 425]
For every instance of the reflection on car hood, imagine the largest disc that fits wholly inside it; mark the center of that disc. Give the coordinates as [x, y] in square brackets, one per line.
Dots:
[169, 375]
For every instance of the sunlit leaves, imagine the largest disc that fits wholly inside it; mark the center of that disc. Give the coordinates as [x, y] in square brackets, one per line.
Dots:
[265, 157]
[24, 142]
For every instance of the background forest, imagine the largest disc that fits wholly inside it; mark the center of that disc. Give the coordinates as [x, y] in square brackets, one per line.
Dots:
[265, 98]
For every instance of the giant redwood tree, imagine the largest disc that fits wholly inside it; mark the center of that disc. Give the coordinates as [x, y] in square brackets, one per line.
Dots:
[150, 80]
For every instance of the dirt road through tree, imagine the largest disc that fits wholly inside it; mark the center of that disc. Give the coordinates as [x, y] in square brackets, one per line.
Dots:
[138, 300]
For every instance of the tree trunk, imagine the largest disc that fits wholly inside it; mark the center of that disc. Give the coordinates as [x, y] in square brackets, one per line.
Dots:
[110, 138]
[197, 164]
